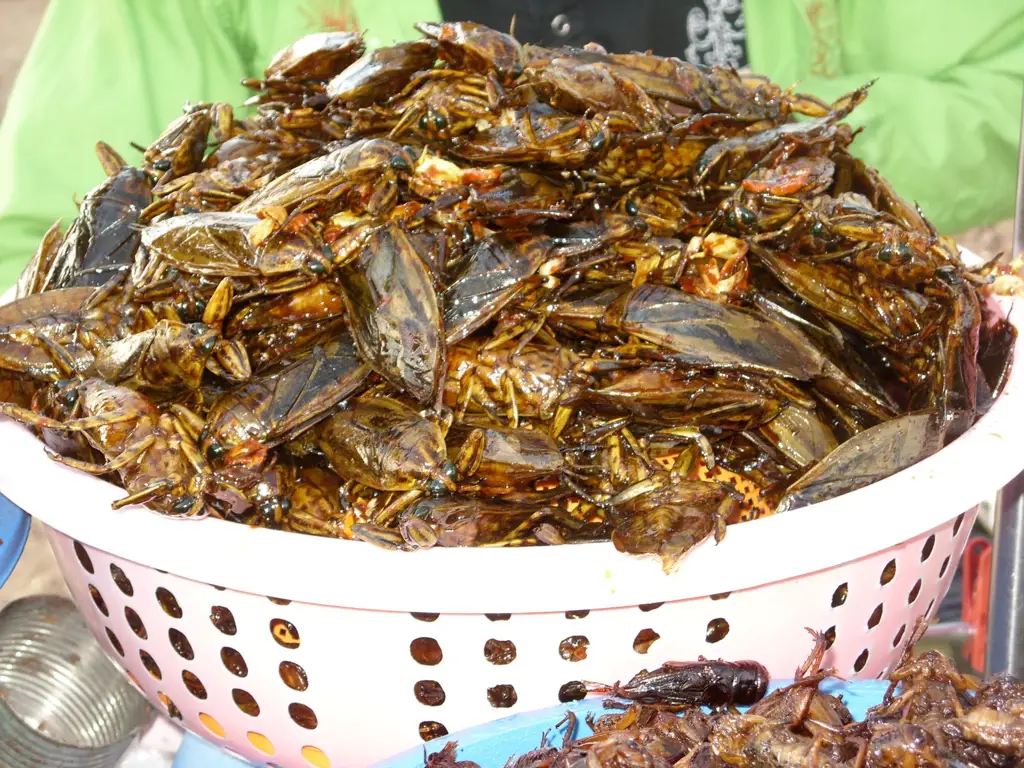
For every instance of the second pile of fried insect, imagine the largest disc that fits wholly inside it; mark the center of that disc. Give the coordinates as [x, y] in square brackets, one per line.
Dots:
[932, 715]
[463, 291]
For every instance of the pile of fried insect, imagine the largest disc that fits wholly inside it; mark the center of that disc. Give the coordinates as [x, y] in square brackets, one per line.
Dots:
[463, 291]
[931, 715]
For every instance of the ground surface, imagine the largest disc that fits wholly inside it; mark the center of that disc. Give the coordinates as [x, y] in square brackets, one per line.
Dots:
[37, 571]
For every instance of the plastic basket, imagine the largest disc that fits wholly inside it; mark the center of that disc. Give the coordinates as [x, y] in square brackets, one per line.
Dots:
[290, 649]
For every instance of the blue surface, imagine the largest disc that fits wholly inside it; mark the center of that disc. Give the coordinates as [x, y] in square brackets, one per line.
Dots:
[491, 745]
[14, 525]
[197, 753]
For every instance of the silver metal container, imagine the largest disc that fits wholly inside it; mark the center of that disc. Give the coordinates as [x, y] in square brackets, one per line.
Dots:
[63, 704]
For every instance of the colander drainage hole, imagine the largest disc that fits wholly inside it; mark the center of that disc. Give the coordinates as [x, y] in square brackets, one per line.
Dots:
[914, 592]
[293, 676]
[98, 599]
[644, 639]
[135, 623]
[211, 725]
[576, 614]
[926, 550]
[861, 661]
[944, 567]
[500, 652]
[574, 690]
[315, 757]
[720, 595]
[717, 630]
[426, 651]
[429, 693]
[830, 637]
[180, 644]
[928, 610]
[83, 557]
[502, 696]
[490, 617]
[234, 662]
[899, 636]
[284, 633]
[172, 711]
[261, 742]
[840, 595]
[428, 617]
[431, 729]
[194, 684]
[245, 702]
[223, 619]
[168, 602]
[888, 573]
[121, 579]
[648, 607]
[279, 601]
[956, 525]
[876, 617]
[574, 648]
[303, 716]
[150, 664]
[114, 642]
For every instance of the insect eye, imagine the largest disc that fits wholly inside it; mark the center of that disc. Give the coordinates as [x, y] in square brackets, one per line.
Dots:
[436, 487]
[598, 142]
[817, 229]
[399, 163]
[268, 508]
[746, 216]
[216, 450]
[208, 344]
[286, 505]
[183, 505]
[632, 208]
[422, 123]
[162, 165]
[440, 123]
[316, 267]
[69, 397]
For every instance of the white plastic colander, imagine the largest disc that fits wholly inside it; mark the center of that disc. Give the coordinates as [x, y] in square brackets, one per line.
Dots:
[300, 651]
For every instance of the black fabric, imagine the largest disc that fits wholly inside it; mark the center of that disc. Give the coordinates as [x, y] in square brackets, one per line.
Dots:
[699, 31]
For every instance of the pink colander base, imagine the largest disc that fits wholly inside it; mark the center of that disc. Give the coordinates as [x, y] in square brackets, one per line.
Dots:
[301, 684]
[317, 652]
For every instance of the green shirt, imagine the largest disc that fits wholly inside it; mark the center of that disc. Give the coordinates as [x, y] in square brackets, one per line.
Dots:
[942, 122]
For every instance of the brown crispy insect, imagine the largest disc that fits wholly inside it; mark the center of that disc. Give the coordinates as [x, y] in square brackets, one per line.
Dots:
[462, 291]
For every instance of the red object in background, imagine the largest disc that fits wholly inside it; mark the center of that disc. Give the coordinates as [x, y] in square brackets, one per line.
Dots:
[332, 16]
[977, 579]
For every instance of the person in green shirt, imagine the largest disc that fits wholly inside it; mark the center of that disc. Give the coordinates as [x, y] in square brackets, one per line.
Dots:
[942, 122]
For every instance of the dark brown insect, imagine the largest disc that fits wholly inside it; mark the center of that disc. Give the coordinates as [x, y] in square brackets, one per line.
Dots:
[701, 683]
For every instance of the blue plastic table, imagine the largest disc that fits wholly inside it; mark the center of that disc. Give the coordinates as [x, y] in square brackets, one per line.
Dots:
[14, 525]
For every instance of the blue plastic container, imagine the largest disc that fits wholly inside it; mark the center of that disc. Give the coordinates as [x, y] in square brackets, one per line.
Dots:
[194, 752]
[14, 525]
[491, 745]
